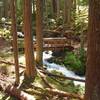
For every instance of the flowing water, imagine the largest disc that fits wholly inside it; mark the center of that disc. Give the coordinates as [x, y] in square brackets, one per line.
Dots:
[59, 68]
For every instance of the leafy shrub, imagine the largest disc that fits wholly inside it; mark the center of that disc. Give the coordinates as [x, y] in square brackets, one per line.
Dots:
[51, 23]
[5, 33]
[59, 20]
[76, 62]
[81, 20]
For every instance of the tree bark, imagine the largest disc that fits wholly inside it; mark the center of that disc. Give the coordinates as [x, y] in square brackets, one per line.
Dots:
[39, 32]
[15, 45]
[28, 40]
[93, 54]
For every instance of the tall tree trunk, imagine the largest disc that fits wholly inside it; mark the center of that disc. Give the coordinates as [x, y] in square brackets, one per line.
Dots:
[28, 40]
[93, 55]
[58, 8]
[55, 8]
[14, 32]
[9, 8]
[5, 8]
[1, 10]
[74, 5]
[54, 5]
[46, 13]
[67, 13]
[39, 32]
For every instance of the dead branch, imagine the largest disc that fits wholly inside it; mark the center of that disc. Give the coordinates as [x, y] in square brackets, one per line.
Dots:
[36, 92]
[64, 94]
[58, 81]
[10, 63]
[43, 77]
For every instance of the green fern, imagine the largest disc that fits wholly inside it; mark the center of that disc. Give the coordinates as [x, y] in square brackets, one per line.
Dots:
[75, 62]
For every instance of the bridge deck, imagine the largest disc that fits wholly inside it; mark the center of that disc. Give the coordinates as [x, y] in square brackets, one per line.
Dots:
[59, 43]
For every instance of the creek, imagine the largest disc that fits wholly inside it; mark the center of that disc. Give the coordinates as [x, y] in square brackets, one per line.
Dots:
[60, 68]
[53, 66]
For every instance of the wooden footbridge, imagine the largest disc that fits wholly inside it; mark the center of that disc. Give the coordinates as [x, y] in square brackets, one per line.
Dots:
[55, 44]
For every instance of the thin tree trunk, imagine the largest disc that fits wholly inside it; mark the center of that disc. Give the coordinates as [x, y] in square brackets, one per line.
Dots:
[2, 9]
[55, 8]
[28, 40]
[58, 8]
[9, 8]
[74, 12]
[54, 5]
[93, 55]
[39, 32]
[14, 32]
[67, 13]
[5, 8]
[45, 14]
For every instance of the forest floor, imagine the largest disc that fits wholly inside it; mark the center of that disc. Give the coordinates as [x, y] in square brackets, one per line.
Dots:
[39, 91]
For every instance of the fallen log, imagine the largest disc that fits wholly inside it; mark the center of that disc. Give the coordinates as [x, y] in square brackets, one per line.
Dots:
[54, 91]
[63, 77]
[58, 92]
[21, 95]
[13, 91]
[6, 85]
[43, 77]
